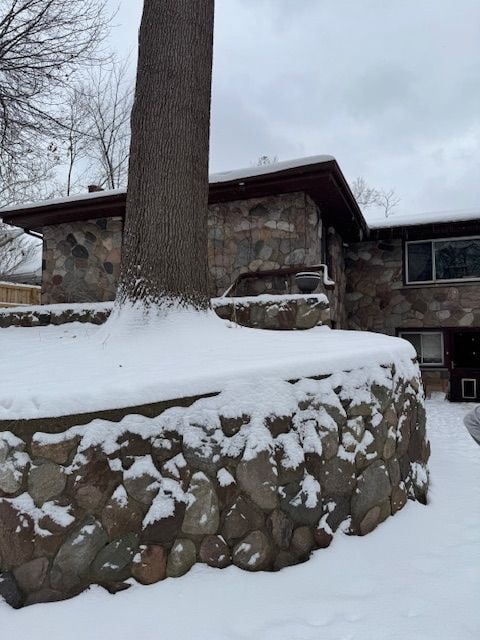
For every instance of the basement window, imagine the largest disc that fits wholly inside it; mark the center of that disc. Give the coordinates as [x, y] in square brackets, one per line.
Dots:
[445, 260]
[427, 344]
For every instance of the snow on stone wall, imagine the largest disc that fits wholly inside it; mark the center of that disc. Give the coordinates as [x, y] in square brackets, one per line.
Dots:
[258, 476]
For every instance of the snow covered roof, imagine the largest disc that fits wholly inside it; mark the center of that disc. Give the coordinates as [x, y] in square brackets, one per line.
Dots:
[417, 219]
[67, 199]
[275, 167]
[318, 176]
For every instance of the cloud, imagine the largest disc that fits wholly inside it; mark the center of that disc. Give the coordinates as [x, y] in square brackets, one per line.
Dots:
[390, 88]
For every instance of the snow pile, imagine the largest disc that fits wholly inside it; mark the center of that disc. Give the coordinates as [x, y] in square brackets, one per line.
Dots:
[416, 576]
[79, 368]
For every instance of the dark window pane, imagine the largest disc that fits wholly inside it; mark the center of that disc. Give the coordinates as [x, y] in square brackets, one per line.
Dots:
[432, 348]
[419, 261]
[456, 259]
[415, 340]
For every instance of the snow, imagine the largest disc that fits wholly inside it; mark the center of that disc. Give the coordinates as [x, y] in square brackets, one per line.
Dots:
[79, 368]
[250, 172]
[214, 178]
[267, 298]
[58, 309]
[429, 217]
[416, 577]
[65, 200]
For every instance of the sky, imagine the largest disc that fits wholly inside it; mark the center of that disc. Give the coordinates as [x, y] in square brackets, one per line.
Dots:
[389, 87]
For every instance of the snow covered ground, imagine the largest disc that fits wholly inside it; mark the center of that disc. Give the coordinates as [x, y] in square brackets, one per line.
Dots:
[77, 368]
[417, 577]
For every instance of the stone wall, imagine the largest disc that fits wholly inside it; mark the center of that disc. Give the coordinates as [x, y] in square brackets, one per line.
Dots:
[378, 300]
[275, 312]
[336, 266]
[224, 481]
[81, 261]
[260, 234]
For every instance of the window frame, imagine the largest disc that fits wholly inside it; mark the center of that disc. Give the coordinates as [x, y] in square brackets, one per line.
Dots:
[435, 280]
[402, 332]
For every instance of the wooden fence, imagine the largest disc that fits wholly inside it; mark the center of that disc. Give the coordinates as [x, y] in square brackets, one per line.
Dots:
[16, 295]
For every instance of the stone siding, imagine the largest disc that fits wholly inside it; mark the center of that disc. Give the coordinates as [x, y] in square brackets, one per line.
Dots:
[275, 312]
[222, 482]
[81, 261]
[336, 266]
[260, 234]
[378, 300]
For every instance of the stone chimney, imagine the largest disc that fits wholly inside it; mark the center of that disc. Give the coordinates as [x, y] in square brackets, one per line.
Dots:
[93, 188]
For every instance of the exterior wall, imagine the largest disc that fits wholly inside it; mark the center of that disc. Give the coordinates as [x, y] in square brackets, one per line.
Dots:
[336, 265]
[148, 498]
[81, 261]
[377, 299]
[260, 234]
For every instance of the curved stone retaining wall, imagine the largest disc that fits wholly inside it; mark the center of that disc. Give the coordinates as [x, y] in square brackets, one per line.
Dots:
[258, 476]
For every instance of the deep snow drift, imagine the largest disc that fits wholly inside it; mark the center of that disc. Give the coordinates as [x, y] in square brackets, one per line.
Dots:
[78, 368]
[415, 577]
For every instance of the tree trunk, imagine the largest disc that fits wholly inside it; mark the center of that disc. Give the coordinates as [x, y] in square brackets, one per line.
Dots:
[165, 237]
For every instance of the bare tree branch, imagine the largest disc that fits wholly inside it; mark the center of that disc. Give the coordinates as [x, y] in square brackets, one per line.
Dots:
[369, 197]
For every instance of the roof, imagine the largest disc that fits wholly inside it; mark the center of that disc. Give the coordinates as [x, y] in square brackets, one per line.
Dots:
[423, 218]
[319, 176]
[431, 224]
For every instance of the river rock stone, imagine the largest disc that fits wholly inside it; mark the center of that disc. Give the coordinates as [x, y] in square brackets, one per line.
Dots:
[398, 499]
[302, 542]
[150, 564]
[121, 515]
[201, 448]
[253, 553]
[10, 591]
[323, 538]
[142, 488]
[242, 517]
[302, 501]
[59, 452]
[94, 482]
[11, 479]
[46, 482]
[181, 559]
[373, 488]
[163, 531]
[202, 514]
[337, 477]
[281, 529]
[75, 556]
[258, 479]
[113, 561]
[16, 536]
[370, 521]
[31, 576]
[215, 552]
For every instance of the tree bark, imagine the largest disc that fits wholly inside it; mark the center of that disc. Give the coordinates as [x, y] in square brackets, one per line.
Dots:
[165, 237]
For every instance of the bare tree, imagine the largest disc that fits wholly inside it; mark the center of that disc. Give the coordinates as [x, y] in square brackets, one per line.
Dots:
[17, 251]
[165, 238]
[76, 141]
[42, 44]
[370, 197]
[266, 161]
[108, 105]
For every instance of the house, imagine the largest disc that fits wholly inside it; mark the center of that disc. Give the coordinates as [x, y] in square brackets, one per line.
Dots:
[413, 277]
[419, 278]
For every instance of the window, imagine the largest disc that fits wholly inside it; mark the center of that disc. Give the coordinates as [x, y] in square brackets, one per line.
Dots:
[469, 388]
[428, 345]
[443, 260]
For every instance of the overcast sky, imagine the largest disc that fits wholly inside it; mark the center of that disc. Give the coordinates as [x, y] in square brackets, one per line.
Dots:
[391, 88]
